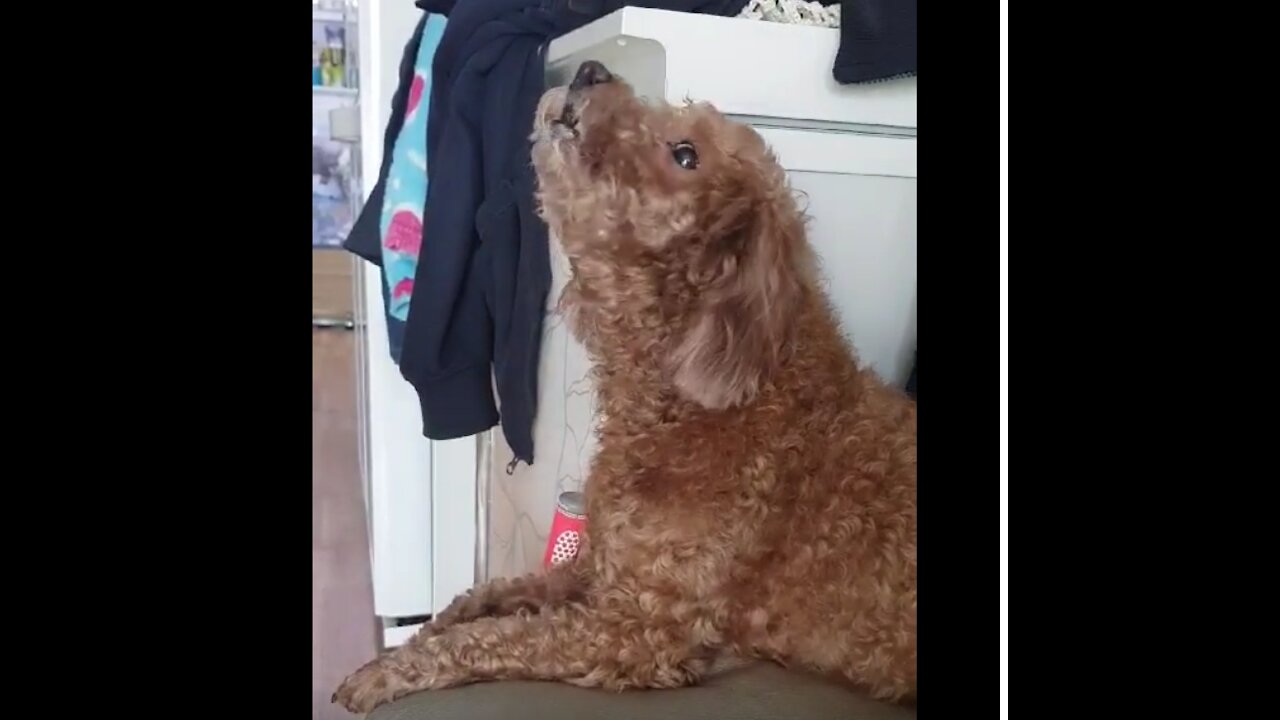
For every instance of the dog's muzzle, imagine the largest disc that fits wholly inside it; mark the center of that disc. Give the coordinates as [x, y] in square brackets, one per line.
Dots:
[590, 74]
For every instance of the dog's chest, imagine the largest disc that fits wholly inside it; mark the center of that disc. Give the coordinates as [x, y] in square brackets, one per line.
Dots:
[658, 545]
[653, 518]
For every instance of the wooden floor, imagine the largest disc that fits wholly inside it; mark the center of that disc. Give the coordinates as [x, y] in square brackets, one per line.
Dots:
[343, 628]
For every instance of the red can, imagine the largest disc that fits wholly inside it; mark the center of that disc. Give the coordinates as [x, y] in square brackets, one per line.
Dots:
[566, 529]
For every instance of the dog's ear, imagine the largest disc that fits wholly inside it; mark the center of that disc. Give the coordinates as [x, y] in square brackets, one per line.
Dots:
[752, 269]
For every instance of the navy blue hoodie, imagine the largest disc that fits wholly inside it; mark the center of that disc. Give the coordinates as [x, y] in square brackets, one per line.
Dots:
[475, 318]
[877, 41]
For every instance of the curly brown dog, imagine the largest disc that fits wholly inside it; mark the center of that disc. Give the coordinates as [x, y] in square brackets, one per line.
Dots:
[754, 493]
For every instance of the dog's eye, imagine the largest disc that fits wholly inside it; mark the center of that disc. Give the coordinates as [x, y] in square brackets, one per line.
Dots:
[684, 155]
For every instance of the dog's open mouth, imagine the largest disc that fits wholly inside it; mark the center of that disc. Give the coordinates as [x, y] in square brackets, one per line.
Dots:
[559, 116]
[568, 120]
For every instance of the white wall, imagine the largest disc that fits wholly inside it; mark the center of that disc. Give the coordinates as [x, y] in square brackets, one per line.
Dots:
[521, 505]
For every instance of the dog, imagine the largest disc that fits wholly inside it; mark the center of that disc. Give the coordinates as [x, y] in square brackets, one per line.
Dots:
[754, 491]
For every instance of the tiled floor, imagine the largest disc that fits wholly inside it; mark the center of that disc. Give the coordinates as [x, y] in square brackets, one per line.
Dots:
[343, 629]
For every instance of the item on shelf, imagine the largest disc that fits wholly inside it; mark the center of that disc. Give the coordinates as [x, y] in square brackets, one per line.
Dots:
[316, 78]
[333, 56]
[332, 182]
[344, 124]
[566, 529]
[793, 12]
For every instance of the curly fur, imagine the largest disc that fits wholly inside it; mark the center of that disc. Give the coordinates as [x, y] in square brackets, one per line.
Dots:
[754, 494]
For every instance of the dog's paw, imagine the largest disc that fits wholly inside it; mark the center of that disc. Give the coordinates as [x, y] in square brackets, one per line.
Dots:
[364, 690]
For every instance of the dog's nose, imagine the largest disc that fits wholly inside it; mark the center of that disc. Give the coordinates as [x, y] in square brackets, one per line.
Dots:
[590, 73]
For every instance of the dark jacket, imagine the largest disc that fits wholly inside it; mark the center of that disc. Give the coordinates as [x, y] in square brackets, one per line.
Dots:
[480, 293]
[877, 40]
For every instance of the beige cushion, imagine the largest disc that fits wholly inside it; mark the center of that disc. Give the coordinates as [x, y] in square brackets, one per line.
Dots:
[762, 691]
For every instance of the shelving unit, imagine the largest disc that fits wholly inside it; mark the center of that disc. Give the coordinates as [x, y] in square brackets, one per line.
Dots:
[346, 19]
[336, 202]
[329, 16]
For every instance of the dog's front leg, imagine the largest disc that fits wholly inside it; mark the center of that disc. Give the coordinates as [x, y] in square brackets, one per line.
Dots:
[573, 643]
[505, 596]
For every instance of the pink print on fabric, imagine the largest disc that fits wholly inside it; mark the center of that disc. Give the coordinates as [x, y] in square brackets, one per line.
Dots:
[404, 234]
[403, 289]
[415, 96]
